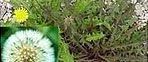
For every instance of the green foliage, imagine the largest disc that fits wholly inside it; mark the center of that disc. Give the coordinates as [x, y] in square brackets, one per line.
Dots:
[81, 5]
[64, 54]
[110, 27]
[55, 4]
[94, 36]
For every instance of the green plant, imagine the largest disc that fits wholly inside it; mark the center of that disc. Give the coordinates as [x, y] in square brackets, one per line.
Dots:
[90, 30]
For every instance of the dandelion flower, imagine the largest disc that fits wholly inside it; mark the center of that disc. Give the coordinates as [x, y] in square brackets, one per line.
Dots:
[20, 14]
[28, 46]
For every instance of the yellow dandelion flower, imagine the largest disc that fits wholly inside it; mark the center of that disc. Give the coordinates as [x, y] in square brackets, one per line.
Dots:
[20, 14]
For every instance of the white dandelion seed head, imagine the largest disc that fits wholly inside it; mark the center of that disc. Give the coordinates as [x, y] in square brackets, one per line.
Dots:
[28, 46]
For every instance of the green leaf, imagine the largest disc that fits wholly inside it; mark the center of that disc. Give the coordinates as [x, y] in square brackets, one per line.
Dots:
[51, 31]
[55, 4]
[81, 5]
[65, 55]
[94, 36]
[107, 25]
[98, 22]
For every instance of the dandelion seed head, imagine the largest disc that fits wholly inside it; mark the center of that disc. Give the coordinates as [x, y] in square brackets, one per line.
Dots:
[21, 47]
